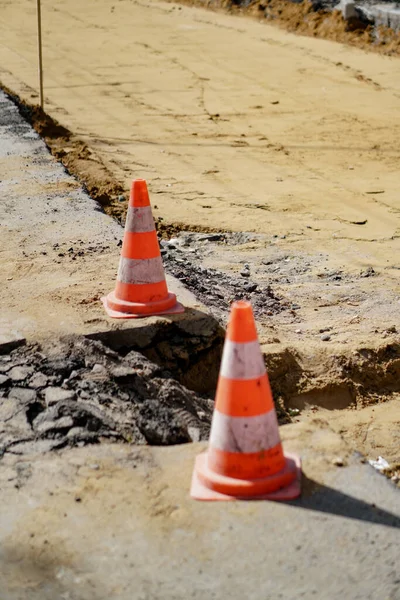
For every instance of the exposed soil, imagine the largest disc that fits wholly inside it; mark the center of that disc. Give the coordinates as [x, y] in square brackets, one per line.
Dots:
[76, 391]
[313, 321]
[373, 431]
[312, 19]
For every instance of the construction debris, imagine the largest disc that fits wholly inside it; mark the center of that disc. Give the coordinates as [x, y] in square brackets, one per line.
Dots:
[77, 391]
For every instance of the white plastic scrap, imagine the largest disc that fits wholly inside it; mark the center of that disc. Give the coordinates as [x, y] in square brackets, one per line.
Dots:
[379, 464]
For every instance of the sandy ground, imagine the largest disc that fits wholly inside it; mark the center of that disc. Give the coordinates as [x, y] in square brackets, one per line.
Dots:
[236, 125]
[374, 430]
[283, 133]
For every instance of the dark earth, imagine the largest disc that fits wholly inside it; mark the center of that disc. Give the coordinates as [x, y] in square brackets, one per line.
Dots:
[213, 287]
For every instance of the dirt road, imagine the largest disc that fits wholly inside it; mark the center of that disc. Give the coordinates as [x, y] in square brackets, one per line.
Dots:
[237, 125]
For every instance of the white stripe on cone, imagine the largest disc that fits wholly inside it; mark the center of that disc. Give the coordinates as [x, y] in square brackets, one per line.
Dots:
[139, 219]
[242, 360]
[244, 434]
[140, 271]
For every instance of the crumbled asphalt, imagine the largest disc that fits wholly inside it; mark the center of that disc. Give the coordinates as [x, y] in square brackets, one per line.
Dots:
[77, 391]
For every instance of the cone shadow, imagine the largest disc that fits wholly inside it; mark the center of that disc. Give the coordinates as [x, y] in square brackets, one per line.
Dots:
[324, 499]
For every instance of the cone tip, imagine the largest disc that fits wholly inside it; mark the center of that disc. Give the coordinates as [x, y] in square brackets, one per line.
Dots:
[244, 305]
[139, 193]
[241, 326]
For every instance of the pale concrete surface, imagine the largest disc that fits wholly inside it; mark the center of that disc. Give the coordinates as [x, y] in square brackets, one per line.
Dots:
[60, 253]
[116, 522]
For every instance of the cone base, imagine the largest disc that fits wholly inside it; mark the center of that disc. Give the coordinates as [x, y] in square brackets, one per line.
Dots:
[120, 309]
[285, 485]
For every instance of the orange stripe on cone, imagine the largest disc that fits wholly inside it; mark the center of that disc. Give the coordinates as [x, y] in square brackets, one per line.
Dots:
[243, 398]
[141, 288]
[252, 465]
[245, 458]
[140, 245]
[152, 292]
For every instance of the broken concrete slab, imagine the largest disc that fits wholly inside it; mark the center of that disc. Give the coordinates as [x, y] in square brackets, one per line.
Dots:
[68, 514]
[52, 395]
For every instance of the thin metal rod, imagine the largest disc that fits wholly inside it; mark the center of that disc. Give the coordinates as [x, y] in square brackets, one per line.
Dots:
[39, 31]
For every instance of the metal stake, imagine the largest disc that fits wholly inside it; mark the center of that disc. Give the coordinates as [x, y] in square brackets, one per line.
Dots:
[39, 30]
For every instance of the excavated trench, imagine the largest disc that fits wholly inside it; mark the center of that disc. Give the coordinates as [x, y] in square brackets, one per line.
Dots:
[75, 391]
[111, 387]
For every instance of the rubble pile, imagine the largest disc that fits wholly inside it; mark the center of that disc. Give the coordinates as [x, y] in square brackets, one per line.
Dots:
[76, 391]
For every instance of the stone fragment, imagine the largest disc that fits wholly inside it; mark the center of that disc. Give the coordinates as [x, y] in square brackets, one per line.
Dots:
[39, 380]
[62, 423]
[34, 447]
[14, 420]
[8, 408]
[24, 395]
[80, 436]
[194, 433]
[369, 272]
[99, 369]
[82, 414]
[250, 287]
[4, 380]
[76, 432]
[20, 373]
[142, 365]
[53, 395]
[123, 372]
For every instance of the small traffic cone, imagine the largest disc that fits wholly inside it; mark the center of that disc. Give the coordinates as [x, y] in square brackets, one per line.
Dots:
[141, 289]
[245, 459]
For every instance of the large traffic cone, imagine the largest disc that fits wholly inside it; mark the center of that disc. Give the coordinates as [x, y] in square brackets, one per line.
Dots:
[141, 289]
[245, 459]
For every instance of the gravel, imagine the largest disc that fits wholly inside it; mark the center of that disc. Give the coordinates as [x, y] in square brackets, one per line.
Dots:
[217, 290]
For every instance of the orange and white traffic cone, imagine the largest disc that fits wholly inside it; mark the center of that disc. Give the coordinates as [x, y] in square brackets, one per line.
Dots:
[141, 289]
[245, 459]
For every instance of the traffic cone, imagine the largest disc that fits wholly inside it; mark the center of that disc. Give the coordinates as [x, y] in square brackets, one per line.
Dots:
[141, 289]
[245, 459]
